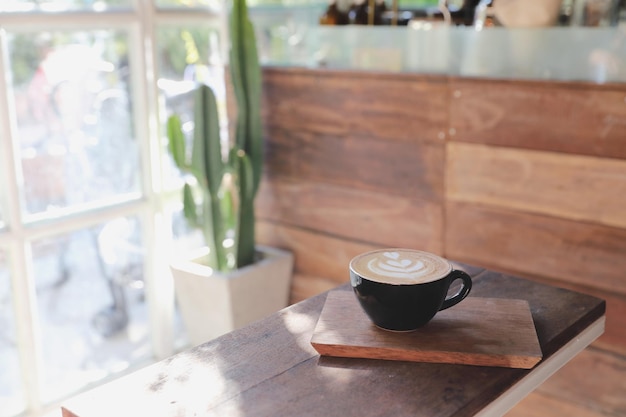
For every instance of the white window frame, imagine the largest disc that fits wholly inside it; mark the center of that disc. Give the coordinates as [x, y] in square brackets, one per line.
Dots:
[140, 22]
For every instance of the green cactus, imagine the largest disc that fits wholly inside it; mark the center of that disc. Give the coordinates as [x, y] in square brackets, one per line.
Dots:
[246, 78]
[228, 188]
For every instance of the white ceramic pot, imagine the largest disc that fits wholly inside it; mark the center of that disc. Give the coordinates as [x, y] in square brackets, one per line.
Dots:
[212, 303]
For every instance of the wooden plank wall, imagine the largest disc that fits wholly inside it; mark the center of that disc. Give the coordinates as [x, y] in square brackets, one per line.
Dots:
[537, 172]
[522, 177]
[330, 190]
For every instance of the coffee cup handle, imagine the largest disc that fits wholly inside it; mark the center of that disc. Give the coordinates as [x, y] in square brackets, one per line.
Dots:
[465, 289]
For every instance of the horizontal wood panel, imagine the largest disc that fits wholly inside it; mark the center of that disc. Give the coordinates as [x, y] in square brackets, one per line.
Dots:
[593, 379]
[412, 169]
[294, 100]
[306, 286]
[383, 219]
[546, 116]
[568, 186]
[316, 254]
[360, 104]
[281, 152]
[575, 252]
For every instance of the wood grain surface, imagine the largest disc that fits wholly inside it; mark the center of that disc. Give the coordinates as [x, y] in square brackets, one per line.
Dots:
[477, 331]
[316, 254]
[411, 168]
[574, 252]
[365, 131]
[553, 308]
[355, 214]
[571, 118]
[566, 186]
[304, 286]
[336, 103]
[270, 369]
[613, 339]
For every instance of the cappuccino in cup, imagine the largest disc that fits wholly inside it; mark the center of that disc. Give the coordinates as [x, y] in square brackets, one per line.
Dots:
[403, 289]
[400, 266]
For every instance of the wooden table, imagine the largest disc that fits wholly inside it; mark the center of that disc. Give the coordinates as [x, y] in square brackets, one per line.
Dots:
[270, 368]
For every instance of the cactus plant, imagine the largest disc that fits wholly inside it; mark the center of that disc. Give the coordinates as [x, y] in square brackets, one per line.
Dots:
[227, 189]
[246, 78]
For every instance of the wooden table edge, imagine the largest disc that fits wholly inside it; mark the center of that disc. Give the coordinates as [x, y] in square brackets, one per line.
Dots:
[543, 371]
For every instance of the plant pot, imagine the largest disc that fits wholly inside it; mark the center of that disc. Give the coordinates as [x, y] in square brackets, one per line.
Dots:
[213, 303]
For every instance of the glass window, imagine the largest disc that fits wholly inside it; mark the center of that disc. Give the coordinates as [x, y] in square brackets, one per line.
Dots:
[81, 126]
[74, 119]
[188, 55]
[11, 395]
[92, 310]
[61, 5]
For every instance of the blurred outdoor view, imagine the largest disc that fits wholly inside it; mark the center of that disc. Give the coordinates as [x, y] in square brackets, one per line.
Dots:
[74, 118]
[79, 149]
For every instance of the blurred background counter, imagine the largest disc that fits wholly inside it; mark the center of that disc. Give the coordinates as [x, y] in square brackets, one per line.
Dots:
[572, 42]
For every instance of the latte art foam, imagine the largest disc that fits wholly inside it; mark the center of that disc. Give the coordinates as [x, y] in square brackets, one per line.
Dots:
[400, 266]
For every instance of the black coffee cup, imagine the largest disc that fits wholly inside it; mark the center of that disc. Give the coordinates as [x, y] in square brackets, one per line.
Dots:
[403, 289]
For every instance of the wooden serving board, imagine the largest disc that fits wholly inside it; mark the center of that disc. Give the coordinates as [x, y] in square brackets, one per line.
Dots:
[477, 331]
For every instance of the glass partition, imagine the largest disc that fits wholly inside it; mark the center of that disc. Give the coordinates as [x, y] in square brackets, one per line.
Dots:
[564, 54]
[291, 35]
[557, 53]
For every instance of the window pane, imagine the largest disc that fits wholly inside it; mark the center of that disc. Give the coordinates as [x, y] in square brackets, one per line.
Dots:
[188, 55]
[90, 298]
[11, 396]
[74, 118]
[61, 5]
